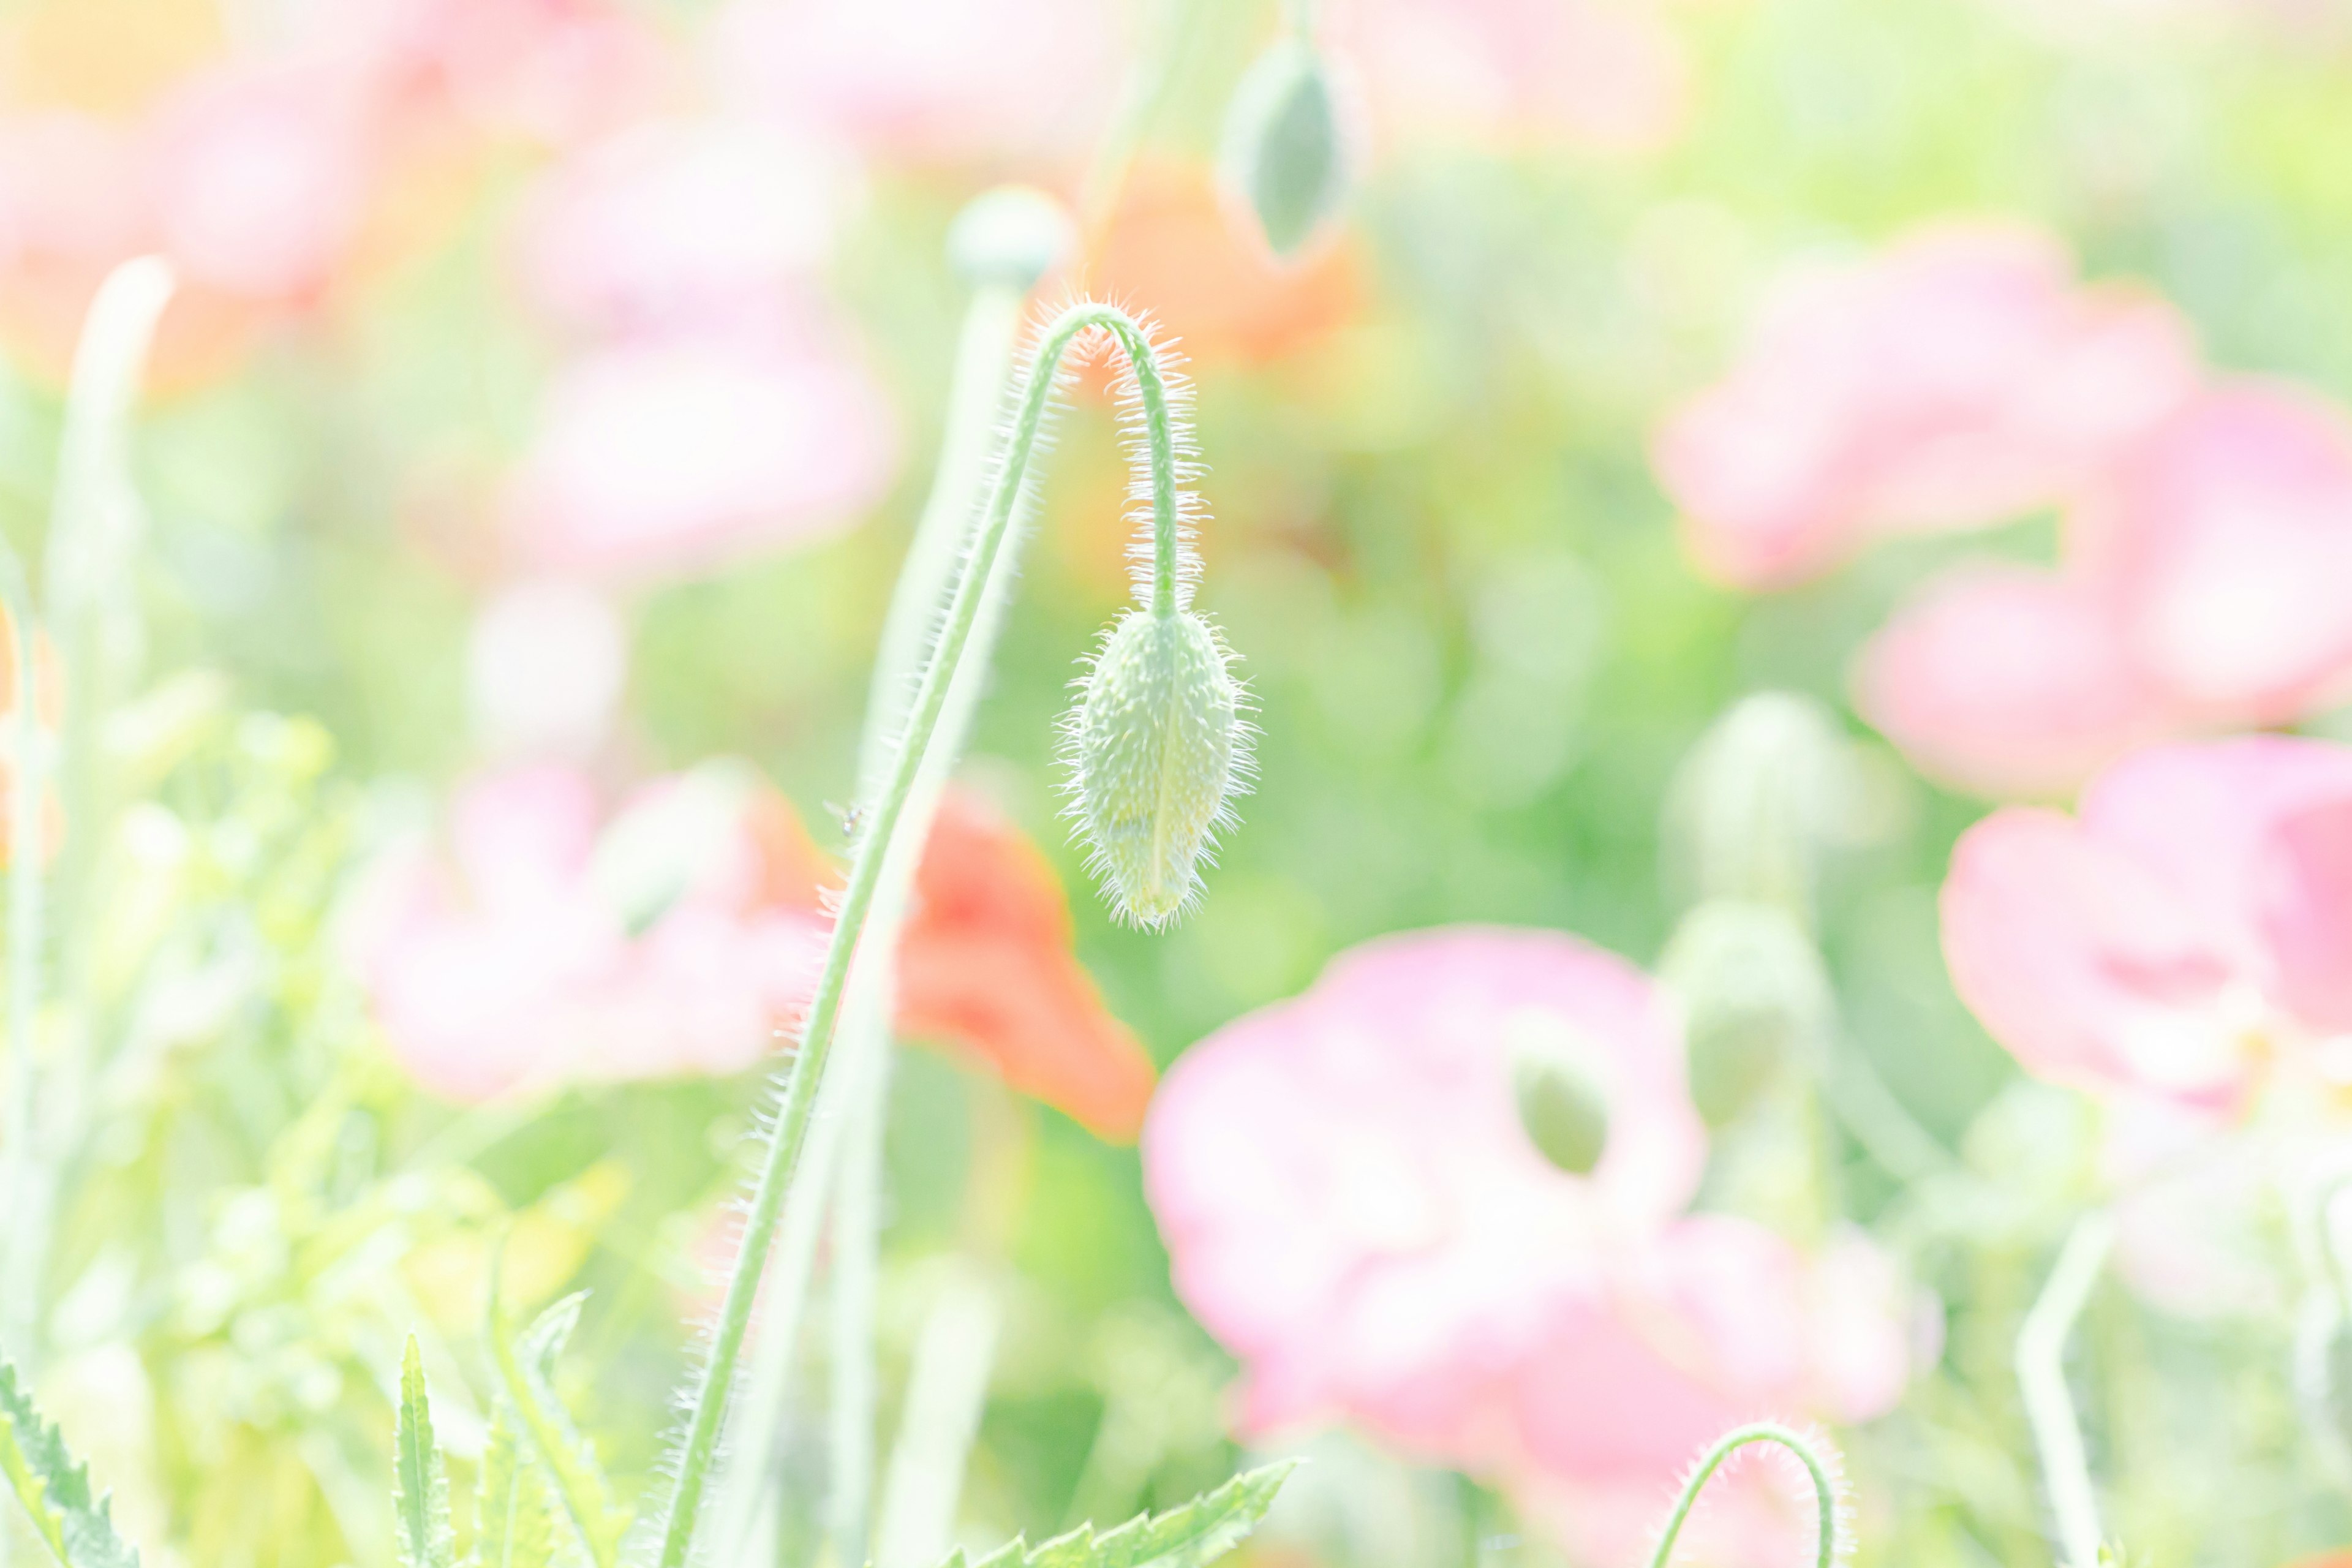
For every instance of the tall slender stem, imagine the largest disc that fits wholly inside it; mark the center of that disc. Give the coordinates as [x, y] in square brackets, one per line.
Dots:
[1824, 1488]
[93, 535]
[807, 1071]
[2041, 1379]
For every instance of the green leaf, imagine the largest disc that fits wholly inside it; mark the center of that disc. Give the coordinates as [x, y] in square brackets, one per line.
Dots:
[420, 1483]
[524, 1366]
[515, 1521]
[53, 1486]
[1191, 1536]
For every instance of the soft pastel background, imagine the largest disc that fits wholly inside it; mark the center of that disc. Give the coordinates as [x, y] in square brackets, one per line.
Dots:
[547, 401]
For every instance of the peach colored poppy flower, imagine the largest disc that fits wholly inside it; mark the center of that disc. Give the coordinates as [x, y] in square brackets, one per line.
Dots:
[985, 965]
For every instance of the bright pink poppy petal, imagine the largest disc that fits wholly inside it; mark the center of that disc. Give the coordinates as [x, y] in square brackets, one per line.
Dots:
[2088, 967]
[2230, 536]
[2005, 682]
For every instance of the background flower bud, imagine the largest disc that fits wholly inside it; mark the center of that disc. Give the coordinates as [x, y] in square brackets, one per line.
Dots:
[1157, 746]
[1284, 158]
[1754, 1000]
[1759, 798]
[1560, 1099]
[1010, 237]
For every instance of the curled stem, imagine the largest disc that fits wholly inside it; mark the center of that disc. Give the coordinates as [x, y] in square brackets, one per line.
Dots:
[2041, 1381]
[1828, 1538]
[890, 820]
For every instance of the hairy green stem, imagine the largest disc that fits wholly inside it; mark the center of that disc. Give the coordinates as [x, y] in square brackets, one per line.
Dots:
[2041, 1381]
[1824, 1488]
[888, 817]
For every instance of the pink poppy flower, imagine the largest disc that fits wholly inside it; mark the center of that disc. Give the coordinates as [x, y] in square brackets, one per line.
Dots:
[1958, 379]
[2187, 929]
[2209, 583]
[679, 937]
[679, 455]
[928, 81]
[676, 223]
[259, 177]
[555, 71]
[1607, 76]
[2008, 681]
[1351, 1207]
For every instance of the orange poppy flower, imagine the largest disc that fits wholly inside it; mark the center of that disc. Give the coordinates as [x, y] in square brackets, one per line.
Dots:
[985, 966]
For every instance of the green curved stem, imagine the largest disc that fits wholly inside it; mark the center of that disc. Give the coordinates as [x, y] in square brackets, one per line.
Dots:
[23, 912]
[2041, 1381]
[807, 1071]
[1824, 1488]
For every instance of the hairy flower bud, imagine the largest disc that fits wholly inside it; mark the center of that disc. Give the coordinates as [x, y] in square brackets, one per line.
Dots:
[1284, 158]
[1754, 1000]
[1561, 1101]
[1157, 746]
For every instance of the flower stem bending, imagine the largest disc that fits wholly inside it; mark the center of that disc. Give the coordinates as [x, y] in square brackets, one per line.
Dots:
[807, 1073]
[1829, 1539]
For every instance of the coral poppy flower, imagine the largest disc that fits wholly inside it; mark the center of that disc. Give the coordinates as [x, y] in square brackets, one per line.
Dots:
[985, 965]
[684, 935]
[2187, 927]
[1959, 378]
[1351, 1207]
[2208, 583]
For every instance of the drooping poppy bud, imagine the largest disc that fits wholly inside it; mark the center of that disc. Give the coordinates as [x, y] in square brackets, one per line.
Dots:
[1754, 1001]
[1157, 747]
[1561, 1101]
[1285, 157]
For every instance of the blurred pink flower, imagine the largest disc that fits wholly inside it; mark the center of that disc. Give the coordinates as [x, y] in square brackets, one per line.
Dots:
[933, 81]
[1958, 379]
[260, 176]
[1608, 75]
[679, 454]
[2008, 681]
[2188, 929]
[544, 669]
[678, 938]
[2208, 585]
[1351, 1207]
[553, 70]
[678, 222]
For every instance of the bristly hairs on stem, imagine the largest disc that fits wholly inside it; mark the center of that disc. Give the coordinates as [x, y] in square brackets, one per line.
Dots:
[698, 1449]
[1833, 1536]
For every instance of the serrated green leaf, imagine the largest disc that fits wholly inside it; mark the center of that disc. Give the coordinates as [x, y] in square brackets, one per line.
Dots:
[1191, 1536]
[53, 1487]
[515, 1521]
[557, 1446]
[420, 1482]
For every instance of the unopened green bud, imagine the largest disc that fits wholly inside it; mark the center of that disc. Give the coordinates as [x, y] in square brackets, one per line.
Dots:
[1757, 801]
[1561, 1101]
[1010, 237]
[1754, 1001]
[1157, 747]
[1285, 158]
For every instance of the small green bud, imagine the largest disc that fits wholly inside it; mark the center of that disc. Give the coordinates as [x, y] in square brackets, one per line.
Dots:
[1561, 1104]
[1757, 801]
[1754, 1000]
[1011, 236]
[1157, 746]
[1284, 158]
